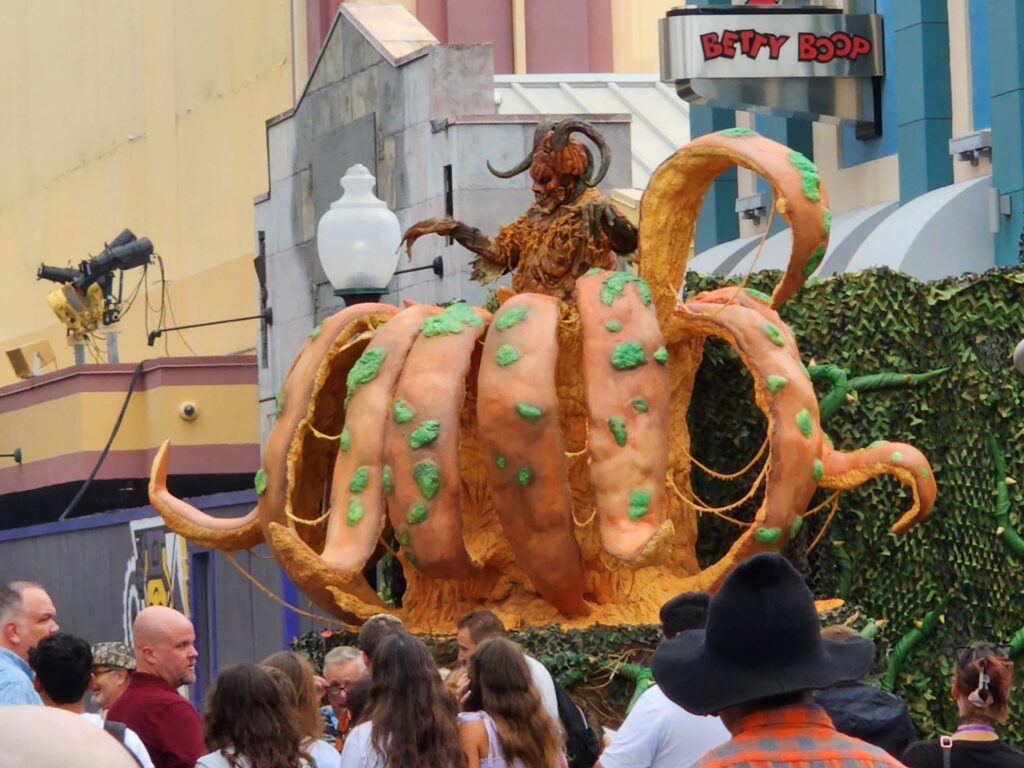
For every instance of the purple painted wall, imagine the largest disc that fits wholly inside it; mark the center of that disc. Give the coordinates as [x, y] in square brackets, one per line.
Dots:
[568, 36]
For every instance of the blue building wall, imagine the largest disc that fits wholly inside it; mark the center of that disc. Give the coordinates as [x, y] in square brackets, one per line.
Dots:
[1006, 83]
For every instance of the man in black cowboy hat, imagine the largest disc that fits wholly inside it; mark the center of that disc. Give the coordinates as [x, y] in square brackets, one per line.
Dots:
[757, 665]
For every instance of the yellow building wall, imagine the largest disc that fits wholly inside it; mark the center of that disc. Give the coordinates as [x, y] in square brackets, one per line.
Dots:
[147, 115]
[635, 33]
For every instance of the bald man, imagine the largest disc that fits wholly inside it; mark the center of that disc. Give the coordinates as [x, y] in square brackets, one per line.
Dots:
[45, 736]
[165, 658]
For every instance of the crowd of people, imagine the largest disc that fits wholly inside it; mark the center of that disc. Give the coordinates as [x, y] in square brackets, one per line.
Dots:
[743, 678]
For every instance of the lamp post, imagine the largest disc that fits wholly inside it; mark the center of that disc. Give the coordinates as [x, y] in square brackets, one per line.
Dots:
[357, 241]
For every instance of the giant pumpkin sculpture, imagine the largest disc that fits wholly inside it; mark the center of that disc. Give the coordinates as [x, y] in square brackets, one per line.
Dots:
[536, 462]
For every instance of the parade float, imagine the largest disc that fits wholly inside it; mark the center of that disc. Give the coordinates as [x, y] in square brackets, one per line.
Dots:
[880, 355]
[537, 461]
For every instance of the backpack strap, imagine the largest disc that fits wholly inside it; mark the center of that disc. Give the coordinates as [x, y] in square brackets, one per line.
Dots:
[946, 745]
[118, 731]
[115, 729]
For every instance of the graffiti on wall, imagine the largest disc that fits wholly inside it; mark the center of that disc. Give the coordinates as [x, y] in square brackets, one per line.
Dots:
[156, 571]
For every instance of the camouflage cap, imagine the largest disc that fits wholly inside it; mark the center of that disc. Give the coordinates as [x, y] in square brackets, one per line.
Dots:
[113, 655]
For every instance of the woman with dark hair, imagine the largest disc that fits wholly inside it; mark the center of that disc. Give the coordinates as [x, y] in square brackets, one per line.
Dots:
[409, 721]
[981, 688]
[306, 706]
[503, 722]
[244, 726]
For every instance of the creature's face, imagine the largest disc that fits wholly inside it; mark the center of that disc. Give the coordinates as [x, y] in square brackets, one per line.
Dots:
[550, 188]
[556, 173]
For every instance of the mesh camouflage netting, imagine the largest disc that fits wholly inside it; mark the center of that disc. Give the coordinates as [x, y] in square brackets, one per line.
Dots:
[885, 321]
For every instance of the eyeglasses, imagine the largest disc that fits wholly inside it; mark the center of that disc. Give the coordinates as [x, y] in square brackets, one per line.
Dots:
[965, 654]
[335, 688]
[97, 671]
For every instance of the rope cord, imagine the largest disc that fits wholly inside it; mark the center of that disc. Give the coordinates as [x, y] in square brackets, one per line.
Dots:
[588, 521]
[702, 506]
[321, 435]
[306, 521]
[827, 523]
[821, 506]
[683, 497]
[757, 256]
[279, 601]
[722, 476]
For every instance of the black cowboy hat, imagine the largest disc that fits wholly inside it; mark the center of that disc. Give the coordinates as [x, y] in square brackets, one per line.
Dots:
[763, 639]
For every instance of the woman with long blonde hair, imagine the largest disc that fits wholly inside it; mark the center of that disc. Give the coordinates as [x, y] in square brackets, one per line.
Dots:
[503, 722]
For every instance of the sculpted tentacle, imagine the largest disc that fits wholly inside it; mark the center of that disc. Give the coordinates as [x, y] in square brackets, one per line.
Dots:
[904, 462]
[232, 533]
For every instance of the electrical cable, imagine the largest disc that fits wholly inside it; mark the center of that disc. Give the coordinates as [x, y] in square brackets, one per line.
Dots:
[106, 448]
[170, 306]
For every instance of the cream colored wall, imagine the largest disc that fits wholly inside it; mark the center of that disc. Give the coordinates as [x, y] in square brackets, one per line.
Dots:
[635, 33]
[876, 181]
[142, 115]
[960, 87]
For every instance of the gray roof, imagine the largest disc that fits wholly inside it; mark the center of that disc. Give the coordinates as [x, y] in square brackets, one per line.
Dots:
[661, 120]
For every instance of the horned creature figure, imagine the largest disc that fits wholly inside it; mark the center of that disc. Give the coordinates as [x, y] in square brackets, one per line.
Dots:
[570, 228]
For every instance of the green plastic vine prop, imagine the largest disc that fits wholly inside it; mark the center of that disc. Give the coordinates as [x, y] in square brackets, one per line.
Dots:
[902, 649]
[843, 388]
[844, 569]
[1004, 530]
[642, 677]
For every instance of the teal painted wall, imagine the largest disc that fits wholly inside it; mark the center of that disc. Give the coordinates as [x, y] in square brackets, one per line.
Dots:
[1005, 39]
[924, 116]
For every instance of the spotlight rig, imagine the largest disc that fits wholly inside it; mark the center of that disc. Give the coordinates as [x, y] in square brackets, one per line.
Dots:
[85, 298]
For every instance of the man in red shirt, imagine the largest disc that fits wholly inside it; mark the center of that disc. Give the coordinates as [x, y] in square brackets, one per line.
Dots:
[757, 665]
[165, 658]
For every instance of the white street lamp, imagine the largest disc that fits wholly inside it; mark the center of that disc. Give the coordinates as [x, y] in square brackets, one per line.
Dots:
[357, 240]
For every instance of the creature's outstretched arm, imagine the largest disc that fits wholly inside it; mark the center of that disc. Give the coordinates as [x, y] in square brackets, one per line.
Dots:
[468, 237]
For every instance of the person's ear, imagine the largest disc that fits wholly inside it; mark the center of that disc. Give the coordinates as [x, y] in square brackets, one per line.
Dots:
[366, 661]
[11, 632]
[36, 684]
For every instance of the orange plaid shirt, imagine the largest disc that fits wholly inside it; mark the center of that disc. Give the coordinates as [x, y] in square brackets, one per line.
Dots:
[799, 736]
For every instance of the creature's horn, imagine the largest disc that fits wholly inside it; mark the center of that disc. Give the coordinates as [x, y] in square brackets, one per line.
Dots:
[589, 171]
[560, 140]
[542, 128]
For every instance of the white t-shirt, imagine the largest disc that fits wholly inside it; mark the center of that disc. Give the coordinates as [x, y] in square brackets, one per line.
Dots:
[323, 754]
[131, 740]
[358, 751]
[545, 686]
[660, 734]
[217, 760]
